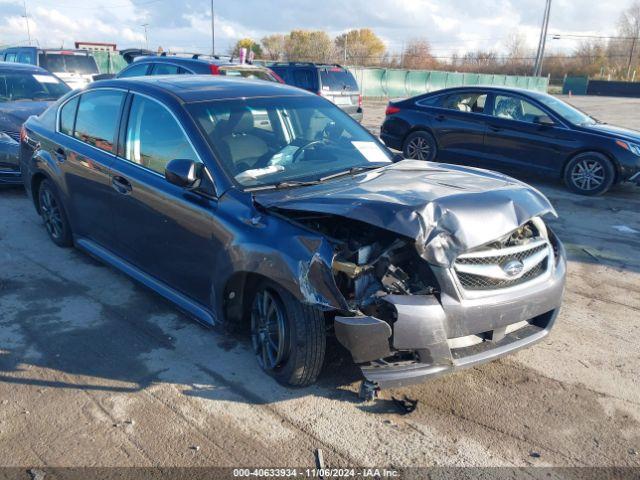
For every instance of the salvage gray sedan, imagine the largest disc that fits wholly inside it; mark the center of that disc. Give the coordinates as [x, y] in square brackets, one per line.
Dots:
[248, 202]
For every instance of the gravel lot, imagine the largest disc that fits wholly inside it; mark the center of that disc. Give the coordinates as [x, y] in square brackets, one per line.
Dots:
[95, 370]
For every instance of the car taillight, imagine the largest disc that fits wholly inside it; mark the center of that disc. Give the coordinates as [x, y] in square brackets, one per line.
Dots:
[360, 101]
[23, 135]
[214, 69]
[391, 109]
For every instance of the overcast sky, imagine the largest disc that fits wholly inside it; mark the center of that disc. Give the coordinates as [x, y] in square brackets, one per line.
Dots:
[450, 25]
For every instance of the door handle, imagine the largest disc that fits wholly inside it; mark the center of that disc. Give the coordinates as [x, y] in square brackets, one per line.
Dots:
[440, 118]
[61, 156]
[121, 185]
[494, 128]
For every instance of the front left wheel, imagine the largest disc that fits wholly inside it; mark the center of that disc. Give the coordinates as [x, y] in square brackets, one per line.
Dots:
[288, 337]
[589, 173]
[53, 215]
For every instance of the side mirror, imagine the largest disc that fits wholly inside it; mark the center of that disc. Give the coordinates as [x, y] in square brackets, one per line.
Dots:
[544, 120]
[184, 173]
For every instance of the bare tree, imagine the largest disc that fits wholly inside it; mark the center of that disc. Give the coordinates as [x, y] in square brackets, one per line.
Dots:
[417, 55]
[629, 27]
[310, 46]
[360, 47]
[274, 46]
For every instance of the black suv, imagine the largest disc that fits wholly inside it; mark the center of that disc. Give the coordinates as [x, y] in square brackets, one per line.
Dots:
[255, 203]
[333, 82]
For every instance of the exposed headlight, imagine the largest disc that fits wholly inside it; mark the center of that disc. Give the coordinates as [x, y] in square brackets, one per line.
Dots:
[632, 147]
[4, 138]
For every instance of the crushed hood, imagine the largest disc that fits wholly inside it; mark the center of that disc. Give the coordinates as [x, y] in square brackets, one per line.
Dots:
[447, 209]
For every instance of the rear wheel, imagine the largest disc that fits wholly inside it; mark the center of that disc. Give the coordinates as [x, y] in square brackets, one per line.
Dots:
[53, 215]
[288, 337]
[589, 173]
[420, 146]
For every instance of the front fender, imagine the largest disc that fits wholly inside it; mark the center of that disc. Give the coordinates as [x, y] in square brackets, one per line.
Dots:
[263, 244]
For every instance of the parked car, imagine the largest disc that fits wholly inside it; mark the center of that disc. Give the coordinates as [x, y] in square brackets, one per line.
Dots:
[297, 227]
[194, 64]
[76, 68]
[25, 90]
[333, 82]
[515, 130]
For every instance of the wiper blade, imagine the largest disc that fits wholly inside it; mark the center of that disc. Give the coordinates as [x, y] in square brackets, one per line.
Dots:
[351, 171]
[283, 184]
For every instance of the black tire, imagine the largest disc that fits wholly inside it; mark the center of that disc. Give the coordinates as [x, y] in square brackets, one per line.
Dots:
[298, 354]
[420, 145]
[589, 173]
[53, 215]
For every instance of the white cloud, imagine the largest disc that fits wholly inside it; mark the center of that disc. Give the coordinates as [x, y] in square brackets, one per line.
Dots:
[450, 26]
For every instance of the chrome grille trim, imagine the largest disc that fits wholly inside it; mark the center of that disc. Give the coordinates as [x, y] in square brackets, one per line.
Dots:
[483, 271]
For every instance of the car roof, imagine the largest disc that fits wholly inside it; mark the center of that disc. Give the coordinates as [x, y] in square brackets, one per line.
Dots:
[22, 67]
[183, 60]
[493, 88]
[195, 88]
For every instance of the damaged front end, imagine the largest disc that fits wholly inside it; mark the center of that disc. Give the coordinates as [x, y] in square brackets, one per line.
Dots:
[453, 280]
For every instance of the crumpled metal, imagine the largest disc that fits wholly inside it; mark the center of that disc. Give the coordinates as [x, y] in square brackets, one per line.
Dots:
[446, 209]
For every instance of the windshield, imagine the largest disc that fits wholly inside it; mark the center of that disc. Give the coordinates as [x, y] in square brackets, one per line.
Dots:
[337, 79]
[259, 73]
[571, 114]
[27, 86]
[68, 63]
[277, 140]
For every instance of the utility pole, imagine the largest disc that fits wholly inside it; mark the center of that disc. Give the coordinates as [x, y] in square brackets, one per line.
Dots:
[213, 32]
[633, 47]
[146, 36]
[26, 19]
[537, 70]
[346, 37]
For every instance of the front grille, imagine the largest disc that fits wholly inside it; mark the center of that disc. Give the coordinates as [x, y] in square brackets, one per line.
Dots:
[486, 270]
[478, 282]
[499, 259]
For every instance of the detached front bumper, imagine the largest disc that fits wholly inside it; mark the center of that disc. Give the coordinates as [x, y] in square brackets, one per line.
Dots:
[445, 334]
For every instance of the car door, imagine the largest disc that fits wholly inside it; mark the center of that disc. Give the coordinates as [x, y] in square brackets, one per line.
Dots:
[516, 139]
[459, 125]
[163, 230]
[87, 131]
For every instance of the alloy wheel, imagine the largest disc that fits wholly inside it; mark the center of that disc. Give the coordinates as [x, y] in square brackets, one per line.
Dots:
[268, 330]
[419, 148]
[50, 212]
[588, 174]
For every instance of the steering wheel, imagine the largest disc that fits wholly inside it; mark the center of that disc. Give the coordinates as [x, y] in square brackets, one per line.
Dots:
[296, 156]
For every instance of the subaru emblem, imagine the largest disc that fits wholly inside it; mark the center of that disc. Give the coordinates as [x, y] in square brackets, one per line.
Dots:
[513, 268]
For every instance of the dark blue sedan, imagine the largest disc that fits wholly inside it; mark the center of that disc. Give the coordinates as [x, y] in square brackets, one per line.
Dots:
[515, 130]
[25, 90]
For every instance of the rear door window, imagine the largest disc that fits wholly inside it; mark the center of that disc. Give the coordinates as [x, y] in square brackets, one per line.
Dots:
[473, 102]
[135, 71]
[97, 118]
[337, 80]
[165, 69]
[154, 137]
[27, 56]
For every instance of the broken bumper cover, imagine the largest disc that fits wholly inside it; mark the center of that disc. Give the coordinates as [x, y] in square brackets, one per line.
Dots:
[448, 334]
